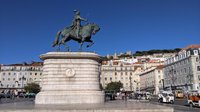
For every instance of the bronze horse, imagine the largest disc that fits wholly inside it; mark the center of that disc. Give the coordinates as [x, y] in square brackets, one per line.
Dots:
[69, 33]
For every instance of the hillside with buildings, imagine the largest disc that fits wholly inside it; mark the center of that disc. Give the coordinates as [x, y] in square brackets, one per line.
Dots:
[152, 72]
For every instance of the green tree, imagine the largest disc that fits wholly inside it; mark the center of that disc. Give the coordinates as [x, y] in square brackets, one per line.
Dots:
[114, 86]
[32, 88]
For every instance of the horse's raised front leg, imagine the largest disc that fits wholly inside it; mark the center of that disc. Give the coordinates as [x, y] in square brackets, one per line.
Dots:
[91, 43]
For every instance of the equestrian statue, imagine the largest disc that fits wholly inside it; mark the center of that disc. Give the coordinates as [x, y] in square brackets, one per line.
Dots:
[76, 32]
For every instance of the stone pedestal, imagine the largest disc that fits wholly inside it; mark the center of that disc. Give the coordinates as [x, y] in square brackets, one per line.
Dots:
[70, 78]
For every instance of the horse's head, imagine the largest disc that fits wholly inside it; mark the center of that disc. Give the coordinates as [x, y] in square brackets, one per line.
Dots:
[95, 28]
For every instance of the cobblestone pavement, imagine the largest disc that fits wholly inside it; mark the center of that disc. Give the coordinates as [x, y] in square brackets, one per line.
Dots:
[29, 102]
[121, 105]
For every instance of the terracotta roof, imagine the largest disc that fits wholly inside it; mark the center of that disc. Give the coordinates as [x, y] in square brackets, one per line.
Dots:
[138, 63]
[36, 64]
[192, 46]
[160, 67]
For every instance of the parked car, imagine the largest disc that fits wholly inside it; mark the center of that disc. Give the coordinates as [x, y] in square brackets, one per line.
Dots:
[148, 95]
[21, 94]
[143, 96]
[30, 95]
[166, 97]
[2, 95]
[194, 98]
[110, 94]
[8, 95]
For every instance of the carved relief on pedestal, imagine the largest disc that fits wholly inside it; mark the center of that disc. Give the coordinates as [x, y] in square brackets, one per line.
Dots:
[69, 72]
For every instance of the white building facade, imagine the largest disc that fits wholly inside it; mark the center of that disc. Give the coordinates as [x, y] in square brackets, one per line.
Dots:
[151, 80]
[18, 75]
[115, 71]
[183, 70]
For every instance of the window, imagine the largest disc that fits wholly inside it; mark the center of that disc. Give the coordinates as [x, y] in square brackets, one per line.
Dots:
[13, 78]
[35, 73]
[110, 78]
[105, 78]
[198, 68]
[30, 73]
[9, 73]
[4, 74]
[8, 78]
[195, 52]
[185, 70]
[115, 73]
[188, 53]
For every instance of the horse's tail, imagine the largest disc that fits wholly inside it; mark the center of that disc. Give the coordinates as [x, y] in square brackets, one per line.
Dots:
[56, 42]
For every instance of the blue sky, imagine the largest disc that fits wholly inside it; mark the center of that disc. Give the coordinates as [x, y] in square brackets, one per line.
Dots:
[28, 27]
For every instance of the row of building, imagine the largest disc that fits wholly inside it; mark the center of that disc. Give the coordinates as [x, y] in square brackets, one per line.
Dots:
[19, 75]
[150, 73]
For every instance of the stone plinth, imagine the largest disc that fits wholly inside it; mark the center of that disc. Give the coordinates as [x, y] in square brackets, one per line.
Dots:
[70, 78]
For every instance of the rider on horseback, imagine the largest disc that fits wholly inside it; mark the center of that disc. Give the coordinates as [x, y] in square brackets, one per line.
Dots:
[76, 32]
[76, 23]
